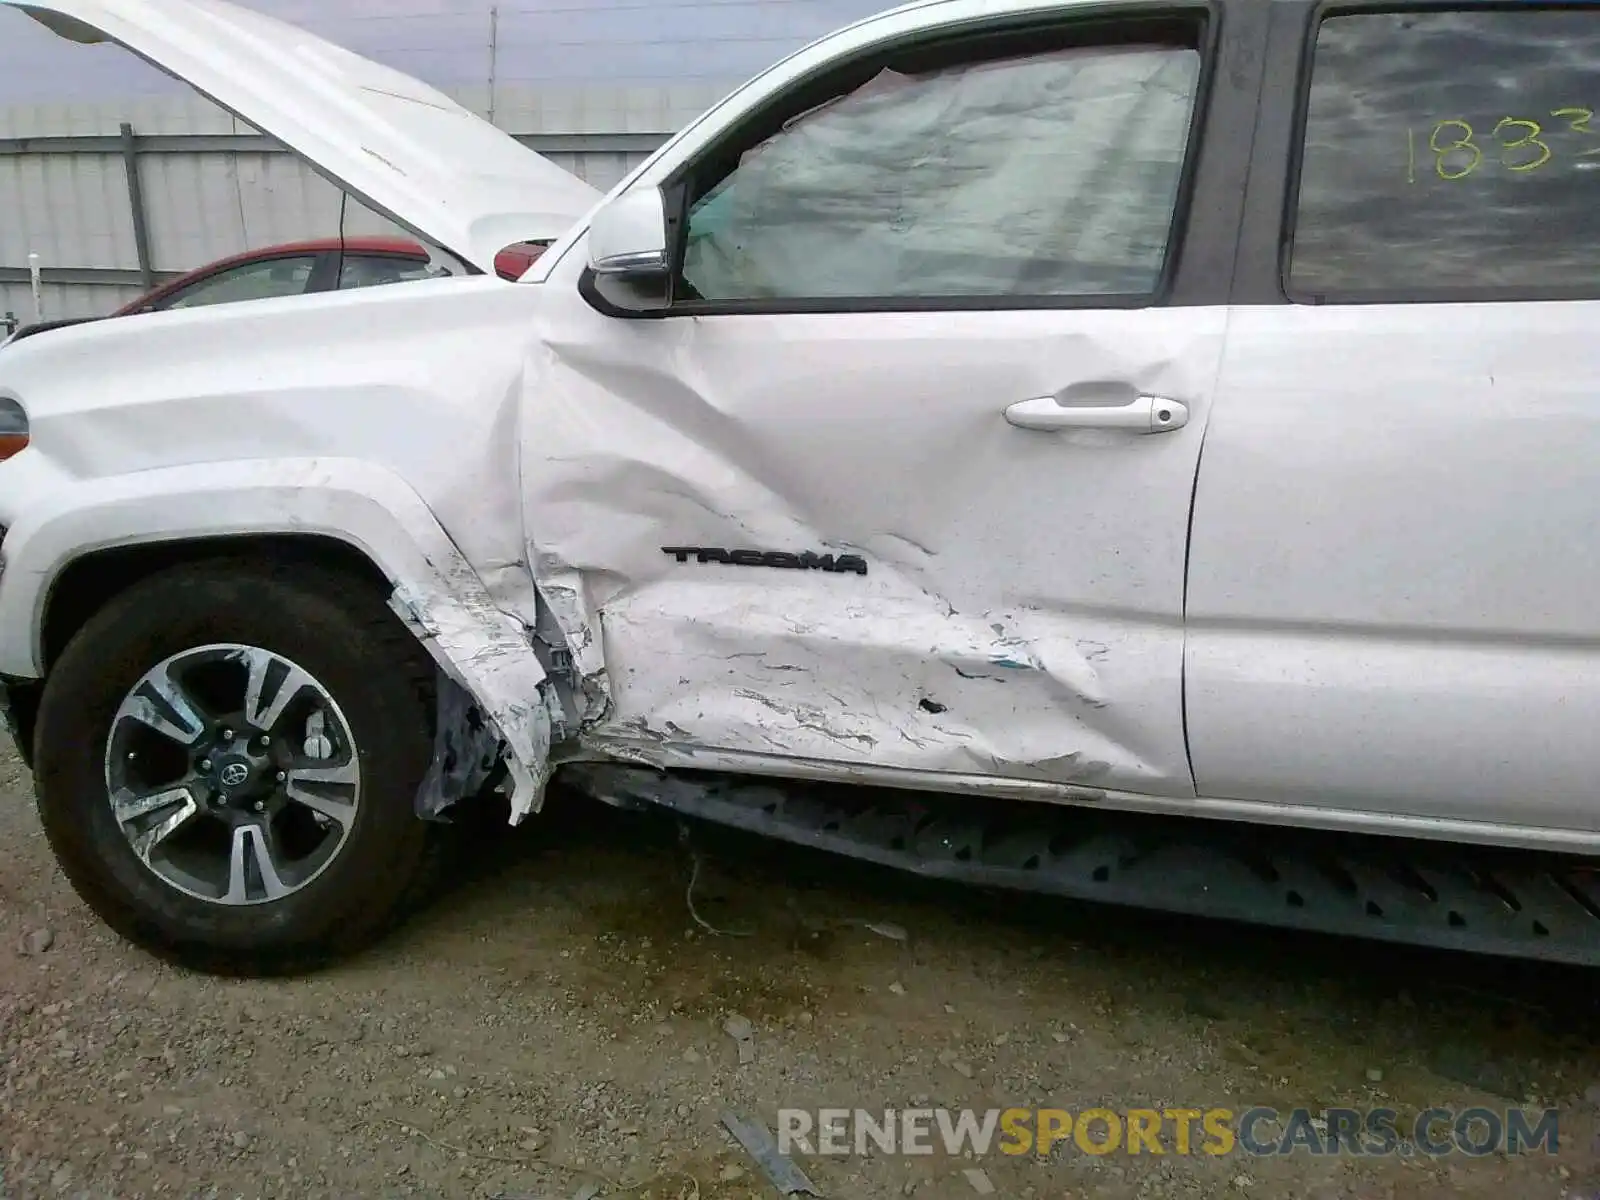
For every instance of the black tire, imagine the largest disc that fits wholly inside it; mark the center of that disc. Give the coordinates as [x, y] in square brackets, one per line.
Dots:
[336, 626]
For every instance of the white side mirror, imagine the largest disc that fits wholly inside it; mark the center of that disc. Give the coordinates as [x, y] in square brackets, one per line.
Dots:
[628, 236]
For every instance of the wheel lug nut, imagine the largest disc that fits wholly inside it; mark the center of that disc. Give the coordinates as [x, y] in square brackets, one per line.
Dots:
[282, 775]
[266, 740]
[227, 735]
[260, 806]
[205, 765]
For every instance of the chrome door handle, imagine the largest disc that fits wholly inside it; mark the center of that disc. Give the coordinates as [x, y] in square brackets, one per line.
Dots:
[1142, 414]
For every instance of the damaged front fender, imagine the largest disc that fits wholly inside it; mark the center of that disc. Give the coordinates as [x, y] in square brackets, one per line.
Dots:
[495, 700]
[490, 654]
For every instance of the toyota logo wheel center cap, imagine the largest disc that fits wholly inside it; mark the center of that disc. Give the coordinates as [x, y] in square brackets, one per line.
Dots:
[234, 774]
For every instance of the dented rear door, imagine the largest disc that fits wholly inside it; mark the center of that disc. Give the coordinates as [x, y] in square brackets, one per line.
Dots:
[900, 484]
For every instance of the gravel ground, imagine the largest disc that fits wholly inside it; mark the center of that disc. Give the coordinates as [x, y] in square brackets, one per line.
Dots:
[556, 1021]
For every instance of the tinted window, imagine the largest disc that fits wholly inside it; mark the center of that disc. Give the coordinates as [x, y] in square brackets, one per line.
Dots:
[371, 270]
[253, 281]
[1053, 174]
[1452, 151]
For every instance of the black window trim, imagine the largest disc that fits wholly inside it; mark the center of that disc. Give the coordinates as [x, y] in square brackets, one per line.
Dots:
[1203, 236]
[1314, 15]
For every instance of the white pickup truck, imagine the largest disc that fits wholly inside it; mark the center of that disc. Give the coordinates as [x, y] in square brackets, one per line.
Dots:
[992, 438]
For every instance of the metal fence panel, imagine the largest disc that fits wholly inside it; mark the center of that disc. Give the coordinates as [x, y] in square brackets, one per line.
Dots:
[209, 187]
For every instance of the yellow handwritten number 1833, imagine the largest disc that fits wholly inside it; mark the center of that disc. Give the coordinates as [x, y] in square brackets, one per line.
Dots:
[1457, 154]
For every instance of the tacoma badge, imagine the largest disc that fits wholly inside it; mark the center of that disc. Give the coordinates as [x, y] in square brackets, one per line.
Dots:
[806, 560]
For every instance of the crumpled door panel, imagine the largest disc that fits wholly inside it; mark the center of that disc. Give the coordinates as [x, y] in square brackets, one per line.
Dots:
[1021, 611]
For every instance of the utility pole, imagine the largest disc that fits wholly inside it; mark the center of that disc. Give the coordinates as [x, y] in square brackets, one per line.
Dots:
[494, 54]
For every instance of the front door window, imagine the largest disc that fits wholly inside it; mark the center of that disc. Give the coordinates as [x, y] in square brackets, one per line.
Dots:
[1049, 175]
[251, 281]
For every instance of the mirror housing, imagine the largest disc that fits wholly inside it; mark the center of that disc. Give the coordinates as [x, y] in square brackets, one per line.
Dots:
[628, 237]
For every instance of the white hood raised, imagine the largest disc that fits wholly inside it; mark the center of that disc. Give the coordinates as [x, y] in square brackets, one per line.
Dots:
[396, 144]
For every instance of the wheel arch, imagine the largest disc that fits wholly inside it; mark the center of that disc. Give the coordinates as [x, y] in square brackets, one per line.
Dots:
[88, 583]
[68, 554]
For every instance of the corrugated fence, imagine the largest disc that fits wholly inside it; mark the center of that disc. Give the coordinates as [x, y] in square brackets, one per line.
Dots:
[112, 199]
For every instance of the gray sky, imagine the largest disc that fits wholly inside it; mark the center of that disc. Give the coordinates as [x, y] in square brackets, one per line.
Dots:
[446, 42]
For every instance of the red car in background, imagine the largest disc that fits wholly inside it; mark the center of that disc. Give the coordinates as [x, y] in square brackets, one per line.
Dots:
[317, 266]
[323, 265]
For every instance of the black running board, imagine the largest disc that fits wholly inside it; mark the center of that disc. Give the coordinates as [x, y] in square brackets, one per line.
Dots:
[1511, 903]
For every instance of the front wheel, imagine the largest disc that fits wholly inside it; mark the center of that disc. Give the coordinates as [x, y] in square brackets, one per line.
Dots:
[226, 757]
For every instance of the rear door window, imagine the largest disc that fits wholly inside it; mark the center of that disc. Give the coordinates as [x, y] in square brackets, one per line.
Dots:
[373, 270]
[1451, 155]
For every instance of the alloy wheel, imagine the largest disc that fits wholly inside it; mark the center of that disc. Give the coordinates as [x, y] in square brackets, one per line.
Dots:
[233, 774]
